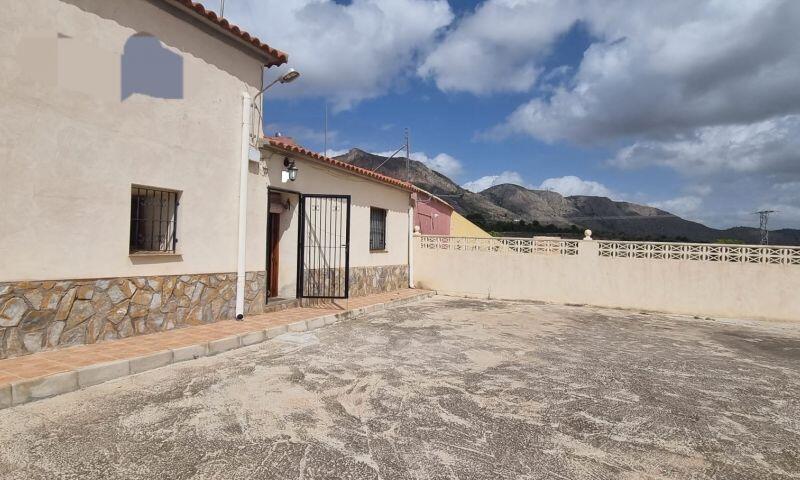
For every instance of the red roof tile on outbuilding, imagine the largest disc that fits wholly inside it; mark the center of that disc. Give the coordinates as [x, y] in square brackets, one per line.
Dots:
[292, 148]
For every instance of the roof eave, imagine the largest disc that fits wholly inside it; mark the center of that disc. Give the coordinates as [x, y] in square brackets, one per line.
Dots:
[329, 162]
[269, 56]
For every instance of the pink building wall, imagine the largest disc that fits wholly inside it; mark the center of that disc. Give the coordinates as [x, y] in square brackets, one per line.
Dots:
[432, 216]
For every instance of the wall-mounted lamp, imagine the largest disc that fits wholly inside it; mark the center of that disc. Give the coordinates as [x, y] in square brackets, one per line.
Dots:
[290, 172]
[287, 77]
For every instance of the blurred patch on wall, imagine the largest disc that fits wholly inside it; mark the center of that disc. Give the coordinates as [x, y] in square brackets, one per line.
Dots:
[145, 67]
[148, 68]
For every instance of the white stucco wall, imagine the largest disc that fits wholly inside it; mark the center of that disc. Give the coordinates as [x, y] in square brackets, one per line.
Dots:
[316, 178]
[70, 148]
[667, 285]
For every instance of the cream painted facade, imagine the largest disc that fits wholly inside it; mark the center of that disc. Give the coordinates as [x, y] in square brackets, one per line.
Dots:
[71, 148]
[73, 144]
[315, 177]
[75, 138]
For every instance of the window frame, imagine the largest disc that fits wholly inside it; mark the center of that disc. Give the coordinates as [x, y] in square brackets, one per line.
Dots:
[381, 236]
[167, 225]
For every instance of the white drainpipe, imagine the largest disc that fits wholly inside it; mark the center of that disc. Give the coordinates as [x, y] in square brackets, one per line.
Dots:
[240, 260]
[411, 246]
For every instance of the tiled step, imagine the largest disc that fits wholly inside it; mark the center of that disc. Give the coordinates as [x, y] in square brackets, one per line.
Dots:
[42, 375]
[276, 305]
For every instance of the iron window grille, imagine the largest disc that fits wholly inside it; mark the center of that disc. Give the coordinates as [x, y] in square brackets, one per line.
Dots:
[377, 228]
[154, 220]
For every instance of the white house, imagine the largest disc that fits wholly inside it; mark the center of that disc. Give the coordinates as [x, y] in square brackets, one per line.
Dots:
[134, 196]
[348, 227]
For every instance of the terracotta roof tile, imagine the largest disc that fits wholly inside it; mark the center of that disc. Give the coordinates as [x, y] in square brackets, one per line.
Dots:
[199, 9]
[277, 143]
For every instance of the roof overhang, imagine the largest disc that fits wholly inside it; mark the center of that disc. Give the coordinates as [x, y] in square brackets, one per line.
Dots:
[295, 151]
[269, 56]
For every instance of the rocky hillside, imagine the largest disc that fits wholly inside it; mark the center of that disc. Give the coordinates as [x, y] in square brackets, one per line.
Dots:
[464, 201]
[602, 215]
[501, 205]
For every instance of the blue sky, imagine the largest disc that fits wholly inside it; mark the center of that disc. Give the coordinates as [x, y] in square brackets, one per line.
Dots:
[685, 105]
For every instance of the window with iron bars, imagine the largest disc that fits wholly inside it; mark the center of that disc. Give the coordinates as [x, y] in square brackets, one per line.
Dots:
[154, 220]
[377, 228]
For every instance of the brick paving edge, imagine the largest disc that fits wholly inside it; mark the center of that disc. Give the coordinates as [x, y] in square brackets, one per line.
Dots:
[39, 388]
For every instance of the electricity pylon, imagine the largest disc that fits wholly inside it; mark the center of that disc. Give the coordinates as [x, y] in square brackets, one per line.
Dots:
[763, 217]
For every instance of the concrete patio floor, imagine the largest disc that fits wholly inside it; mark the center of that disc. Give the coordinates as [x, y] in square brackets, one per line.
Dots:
[45, 374]
[442, 388]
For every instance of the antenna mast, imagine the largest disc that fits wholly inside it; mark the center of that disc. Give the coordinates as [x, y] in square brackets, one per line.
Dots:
[325, 152]
[407, 148]
[408, 157]
[763, 217]
[221, 8]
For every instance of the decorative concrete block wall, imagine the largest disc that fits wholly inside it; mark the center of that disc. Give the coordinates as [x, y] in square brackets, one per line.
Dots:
[752, 281]
[41, 315]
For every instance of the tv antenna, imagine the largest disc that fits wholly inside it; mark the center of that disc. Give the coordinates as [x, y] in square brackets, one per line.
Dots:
[763, 217]
[408, 155]
[221, 8]
[405, 146]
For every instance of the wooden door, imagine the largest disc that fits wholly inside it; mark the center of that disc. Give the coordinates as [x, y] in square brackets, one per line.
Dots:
[274, 222]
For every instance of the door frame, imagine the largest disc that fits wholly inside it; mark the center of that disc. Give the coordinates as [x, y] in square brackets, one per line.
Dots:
[268, 245]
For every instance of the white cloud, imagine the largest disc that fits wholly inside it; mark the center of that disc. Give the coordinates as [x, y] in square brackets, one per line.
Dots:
[768, 147]
[303, 135]
[784, 194]
[571, 185]
[347, 53]
[445, 164]
[700, 190]
[442, 163]
[785, 214]
[704, 88]
[662, 68]
[736, 196]
[482, 183]
[567, 185]
[686, 206]
[335, 153]
[784, 198]
[498, 48]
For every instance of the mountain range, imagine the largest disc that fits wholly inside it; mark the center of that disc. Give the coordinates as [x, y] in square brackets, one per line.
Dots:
[514, 209]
